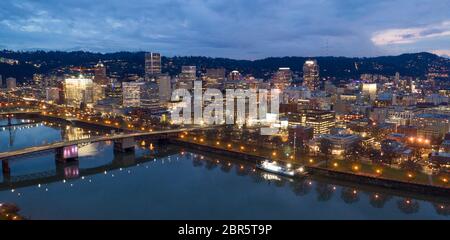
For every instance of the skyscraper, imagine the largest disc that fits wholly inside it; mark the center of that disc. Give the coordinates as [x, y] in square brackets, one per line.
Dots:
[1, 81]
[140, 94]
[78, 90]
[152, 65]
[311, 77]
[164, 88]
[100, 76]
[282, 78]
[132, 93]
[214, 76]
[187, 77]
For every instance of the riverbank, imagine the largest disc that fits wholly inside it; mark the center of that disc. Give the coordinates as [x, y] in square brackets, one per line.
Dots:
[330, 173]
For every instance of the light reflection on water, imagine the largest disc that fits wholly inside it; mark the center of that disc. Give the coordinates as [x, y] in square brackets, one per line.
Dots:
[173, 183]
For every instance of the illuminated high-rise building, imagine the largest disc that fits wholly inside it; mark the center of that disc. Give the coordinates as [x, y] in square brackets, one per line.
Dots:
[370, 90]
[114, 89]
[140, 94]
[1, 81]
[311, 77]
[149, 98]
[131, 94]
[214, 76]
[78, 90]
[321, 121]
[152, 65]
[100, 76]
[187, 77]
[282, 78]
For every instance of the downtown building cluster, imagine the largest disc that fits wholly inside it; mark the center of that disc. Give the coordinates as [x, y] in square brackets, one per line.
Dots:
[405, 118]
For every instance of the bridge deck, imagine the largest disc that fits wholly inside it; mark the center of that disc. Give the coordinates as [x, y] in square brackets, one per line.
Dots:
[30, 150]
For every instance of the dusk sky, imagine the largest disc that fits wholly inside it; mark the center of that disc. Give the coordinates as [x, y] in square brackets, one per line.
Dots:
[243, 29]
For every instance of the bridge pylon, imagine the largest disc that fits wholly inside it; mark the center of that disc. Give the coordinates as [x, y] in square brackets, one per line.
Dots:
[5, 167]
[67, 153]
[124, 144]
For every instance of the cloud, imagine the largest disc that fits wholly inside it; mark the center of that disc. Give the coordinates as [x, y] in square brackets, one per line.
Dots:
[442, 52]
[225, 28]
[411, 35]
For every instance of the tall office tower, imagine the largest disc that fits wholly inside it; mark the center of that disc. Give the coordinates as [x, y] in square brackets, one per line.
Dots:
[1, 81]
[11, 83]
[165, 91]
[131, 94]
[149, 98]
[78, 91]
[152, 65]
[370, 90]
[114, 89]
[187, 77]
[311, 77]
[234, 76]
[282, 78]
[140, 94]
[321, 121]
[214, 76]
[100, 76]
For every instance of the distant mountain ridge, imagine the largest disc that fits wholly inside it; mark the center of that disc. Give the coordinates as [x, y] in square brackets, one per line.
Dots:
[412, 64]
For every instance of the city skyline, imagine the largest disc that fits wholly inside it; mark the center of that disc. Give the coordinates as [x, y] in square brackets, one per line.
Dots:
[222, 110]
[236, 29]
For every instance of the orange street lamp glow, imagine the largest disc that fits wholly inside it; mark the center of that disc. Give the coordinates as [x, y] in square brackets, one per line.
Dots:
[229, 145]
[242, 147]
[445, 180]
[410, 175]
[217, 143]
[311, 161]
[274, 153]
[356, 168]
[335, 164]
[378, 171]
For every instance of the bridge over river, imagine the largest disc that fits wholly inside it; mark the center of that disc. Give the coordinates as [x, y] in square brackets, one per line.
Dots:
[125, 139]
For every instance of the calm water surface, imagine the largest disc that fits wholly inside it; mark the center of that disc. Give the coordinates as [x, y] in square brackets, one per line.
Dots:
[167, 182]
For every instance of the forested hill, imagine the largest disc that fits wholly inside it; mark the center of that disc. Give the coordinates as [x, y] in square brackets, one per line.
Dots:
[415, 64]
